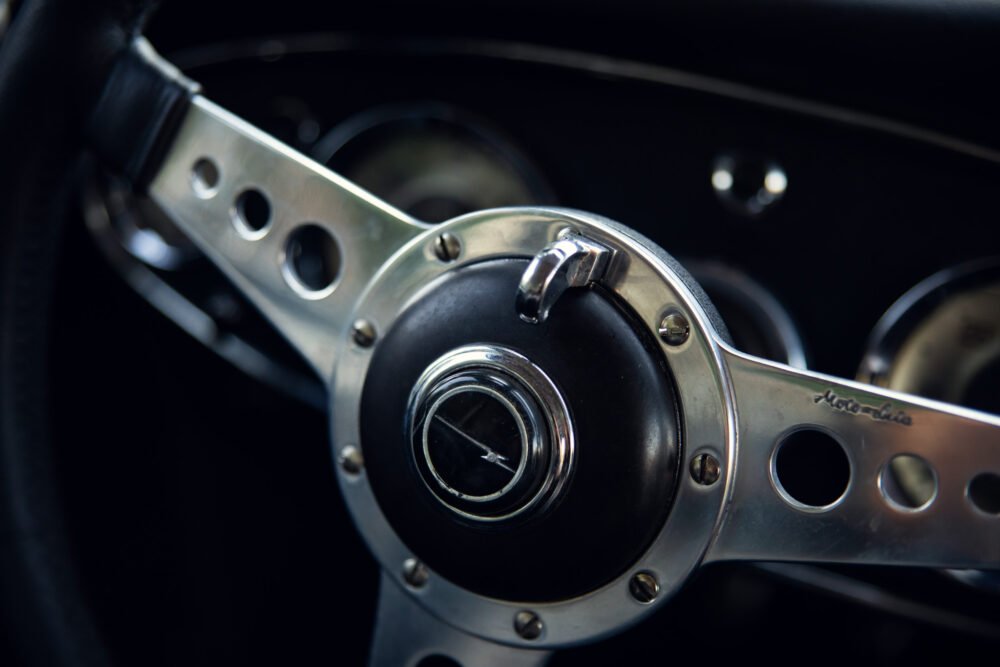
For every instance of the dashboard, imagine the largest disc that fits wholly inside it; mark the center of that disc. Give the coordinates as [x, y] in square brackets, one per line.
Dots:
[855, 241]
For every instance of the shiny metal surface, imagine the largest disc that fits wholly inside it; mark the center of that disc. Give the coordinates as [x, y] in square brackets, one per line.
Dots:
[572, 260]
[142, 256]
[405, 634]
[447, 247]
[674, 328]
[736, 408]
[941, 340]
[528, 625]
[640, 275]
[704, 469]
[644, 587]
[300, 192]
[547, 437]
[872, 425]
[758, 322]
[415, 573]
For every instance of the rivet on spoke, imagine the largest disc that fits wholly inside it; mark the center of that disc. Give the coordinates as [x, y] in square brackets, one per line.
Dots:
[705, 469]
[351, 461]
[363, 333]
[674, 328]
[644, 587]
[447, 247]
[528, 625]
[415, 573]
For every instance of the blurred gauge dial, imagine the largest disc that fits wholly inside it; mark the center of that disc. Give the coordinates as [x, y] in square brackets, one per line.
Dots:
[941, 340]
[432, 161]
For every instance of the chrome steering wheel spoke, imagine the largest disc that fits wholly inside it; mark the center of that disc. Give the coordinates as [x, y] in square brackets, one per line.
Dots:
[933, 521]
[298, 240]
[405, 634]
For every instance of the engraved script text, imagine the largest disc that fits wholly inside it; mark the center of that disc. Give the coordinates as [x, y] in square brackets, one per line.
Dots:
[883, 413]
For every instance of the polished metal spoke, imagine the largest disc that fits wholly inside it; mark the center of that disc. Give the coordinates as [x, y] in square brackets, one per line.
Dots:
[865, 524]
[300, 219]
[405, 634]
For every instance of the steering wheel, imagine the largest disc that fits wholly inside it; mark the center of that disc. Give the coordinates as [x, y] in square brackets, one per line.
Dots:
[539, 425]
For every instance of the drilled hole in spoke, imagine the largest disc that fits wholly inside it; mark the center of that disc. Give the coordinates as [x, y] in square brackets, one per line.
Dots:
[811, 469]
[984, 492]
[438, 661]
[312, 261]
[252, 213]
[205, 177]
[908, 482]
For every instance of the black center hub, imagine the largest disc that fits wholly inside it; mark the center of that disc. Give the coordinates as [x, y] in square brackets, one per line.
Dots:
[453, 468]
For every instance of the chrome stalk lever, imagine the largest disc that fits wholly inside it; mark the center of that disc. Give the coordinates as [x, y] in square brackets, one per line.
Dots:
[572, 260]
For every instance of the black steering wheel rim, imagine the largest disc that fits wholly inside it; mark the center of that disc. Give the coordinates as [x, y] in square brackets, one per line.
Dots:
[53, 62]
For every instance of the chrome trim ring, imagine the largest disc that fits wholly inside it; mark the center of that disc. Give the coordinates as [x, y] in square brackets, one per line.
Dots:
[526, 446]
[546, 431]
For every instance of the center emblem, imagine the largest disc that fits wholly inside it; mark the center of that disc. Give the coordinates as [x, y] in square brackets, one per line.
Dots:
[474, 439]
[482, 432]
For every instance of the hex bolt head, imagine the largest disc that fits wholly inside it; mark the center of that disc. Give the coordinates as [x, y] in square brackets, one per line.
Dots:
[705, 469]
[363, 333]
[447, 247]
[674, 328]
[644, 587]
[528, 625]
[415, 573]
[351, 461]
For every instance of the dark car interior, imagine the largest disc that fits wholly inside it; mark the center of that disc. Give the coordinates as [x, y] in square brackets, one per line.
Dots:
[827, 170]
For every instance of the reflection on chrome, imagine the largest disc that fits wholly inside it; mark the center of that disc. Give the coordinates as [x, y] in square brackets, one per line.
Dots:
[757, 321]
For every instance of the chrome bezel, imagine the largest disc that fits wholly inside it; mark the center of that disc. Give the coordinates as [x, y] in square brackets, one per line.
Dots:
[522, 461]
[641, 276]
[555, 419]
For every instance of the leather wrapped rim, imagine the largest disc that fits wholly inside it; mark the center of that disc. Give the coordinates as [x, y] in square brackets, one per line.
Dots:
[53, 62]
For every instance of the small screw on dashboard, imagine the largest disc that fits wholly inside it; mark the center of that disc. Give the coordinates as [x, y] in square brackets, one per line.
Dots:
[528, 625]
[705, 469]
[674, 328]
[447, 247]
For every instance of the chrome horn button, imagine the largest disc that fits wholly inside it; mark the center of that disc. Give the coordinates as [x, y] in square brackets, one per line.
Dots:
[490, 433]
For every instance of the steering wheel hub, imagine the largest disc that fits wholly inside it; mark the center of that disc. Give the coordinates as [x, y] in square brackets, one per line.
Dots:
[600, 407]
[490, 433]
[484, 450]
